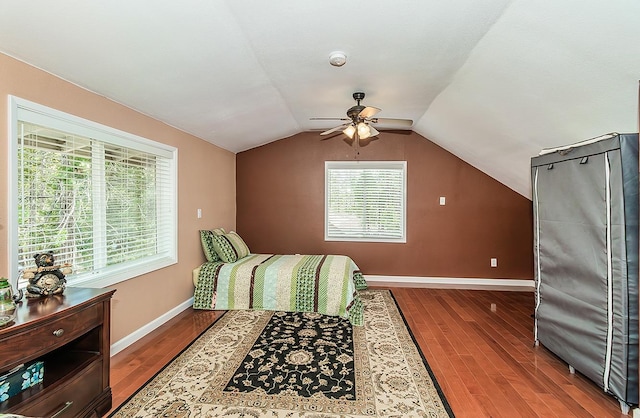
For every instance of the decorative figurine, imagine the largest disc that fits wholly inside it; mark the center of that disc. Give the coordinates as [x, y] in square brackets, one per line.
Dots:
[47, 279]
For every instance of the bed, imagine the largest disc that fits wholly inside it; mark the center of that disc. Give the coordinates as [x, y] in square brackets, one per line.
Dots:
[326, 284]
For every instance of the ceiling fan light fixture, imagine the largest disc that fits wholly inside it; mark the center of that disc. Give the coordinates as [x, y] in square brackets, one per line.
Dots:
[349, 131]
[360, 121]
[363, 130]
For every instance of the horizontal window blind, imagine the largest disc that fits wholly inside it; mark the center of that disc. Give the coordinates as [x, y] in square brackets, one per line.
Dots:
[97, 204]
[365, 201]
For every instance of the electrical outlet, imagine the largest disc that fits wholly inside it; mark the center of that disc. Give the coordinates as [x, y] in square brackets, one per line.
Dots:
[494, 262]
[442, 200]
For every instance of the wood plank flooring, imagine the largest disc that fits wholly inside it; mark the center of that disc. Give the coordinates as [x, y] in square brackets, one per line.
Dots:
[483, 359]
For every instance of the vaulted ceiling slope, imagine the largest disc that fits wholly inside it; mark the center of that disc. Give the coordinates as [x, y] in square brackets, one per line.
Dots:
[491, 81]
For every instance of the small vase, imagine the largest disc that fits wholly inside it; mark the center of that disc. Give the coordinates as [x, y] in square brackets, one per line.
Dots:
[7, 304]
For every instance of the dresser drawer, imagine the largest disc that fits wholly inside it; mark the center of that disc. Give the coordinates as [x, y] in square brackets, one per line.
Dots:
[70, 397]
[35, 342]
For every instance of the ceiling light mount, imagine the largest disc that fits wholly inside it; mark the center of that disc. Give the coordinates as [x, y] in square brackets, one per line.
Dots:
[337, 58]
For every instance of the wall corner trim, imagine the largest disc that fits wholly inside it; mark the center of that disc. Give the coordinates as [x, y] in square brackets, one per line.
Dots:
[451, 282]
[146, 329]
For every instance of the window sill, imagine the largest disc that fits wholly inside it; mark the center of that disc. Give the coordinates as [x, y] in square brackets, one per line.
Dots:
[367, 239]
[108, 278]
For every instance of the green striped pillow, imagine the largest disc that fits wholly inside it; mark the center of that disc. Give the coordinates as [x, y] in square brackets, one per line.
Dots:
[206, 238]
[230, 247]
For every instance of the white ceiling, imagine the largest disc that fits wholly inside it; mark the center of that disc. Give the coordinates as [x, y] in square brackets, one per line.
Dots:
[492, 81]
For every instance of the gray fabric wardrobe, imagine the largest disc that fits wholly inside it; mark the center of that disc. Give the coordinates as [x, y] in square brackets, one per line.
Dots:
[585, 209]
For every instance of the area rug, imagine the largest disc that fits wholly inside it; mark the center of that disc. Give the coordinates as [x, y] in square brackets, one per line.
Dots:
[281, 364]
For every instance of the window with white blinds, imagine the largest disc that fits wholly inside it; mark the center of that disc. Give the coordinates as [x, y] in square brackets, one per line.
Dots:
[102, 200]
[365, 201]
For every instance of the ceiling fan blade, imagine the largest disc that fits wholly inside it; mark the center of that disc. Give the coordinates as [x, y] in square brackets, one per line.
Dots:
[333, 135]
[368, 111]
[391, 121]
[329, 119]
[332, 130]
[373, 131]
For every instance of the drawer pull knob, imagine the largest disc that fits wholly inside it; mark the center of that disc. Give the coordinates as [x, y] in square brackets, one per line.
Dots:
[64, 408]
[58, 332]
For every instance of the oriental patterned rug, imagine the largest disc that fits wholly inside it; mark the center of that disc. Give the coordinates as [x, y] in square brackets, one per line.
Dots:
[279, 364]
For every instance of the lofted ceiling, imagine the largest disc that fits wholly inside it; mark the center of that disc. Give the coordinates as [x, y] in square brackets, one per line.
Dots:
[491, 81]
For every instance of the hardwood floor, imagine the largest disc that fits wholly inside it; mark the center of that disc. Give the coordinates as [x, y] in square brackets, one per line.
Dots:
[483, 358]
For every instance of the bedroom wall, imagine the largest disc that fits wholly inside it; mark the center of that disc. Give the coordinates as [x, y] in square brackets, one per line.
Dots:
[280, 198]
[202, 168]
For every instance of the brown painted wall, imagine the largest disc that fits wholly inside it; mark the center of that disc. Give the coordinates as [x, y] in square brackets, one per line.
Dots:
[140, 300]
[280, 209]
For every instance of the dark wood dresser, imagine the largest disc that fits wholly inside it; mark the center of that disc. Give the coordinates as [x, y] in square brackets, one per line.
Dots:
[70, 334]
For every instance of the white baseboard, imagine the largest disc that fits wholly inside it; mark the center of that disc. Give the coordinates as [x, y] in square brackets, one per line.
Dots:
[451, 282]
[146, 329]
[395, 281]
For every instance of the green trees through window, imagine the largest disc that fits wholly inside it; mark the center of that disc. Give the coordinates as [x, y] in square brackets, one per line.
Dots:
[365, 201]
[103, 203]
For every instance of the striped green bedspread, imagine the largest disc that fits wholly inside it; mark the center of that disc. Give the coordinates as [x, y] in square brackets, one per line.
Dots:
[326, 284]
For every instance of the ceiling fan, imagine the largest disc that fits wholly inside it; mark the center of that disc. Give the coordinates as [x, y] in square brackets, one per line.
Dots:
[360, 121]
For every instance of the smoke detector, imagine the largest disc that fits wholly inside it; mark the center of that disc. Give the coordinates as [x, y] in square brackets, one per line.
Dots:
[337, 59]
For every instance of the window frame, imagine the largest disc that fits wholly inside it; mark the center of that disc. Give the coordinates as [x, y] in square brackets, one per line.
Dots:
[30, 112]
[401, 165]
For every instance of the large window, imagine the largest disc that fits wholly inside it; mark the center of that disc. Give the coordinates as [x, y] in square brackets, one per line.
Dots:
[102, 200]
[365, 201]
